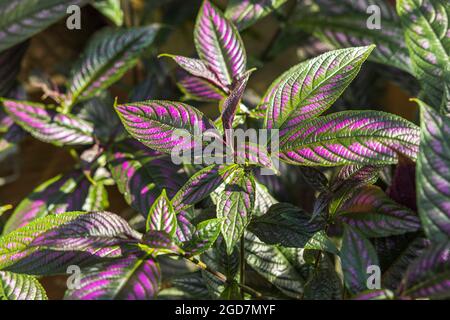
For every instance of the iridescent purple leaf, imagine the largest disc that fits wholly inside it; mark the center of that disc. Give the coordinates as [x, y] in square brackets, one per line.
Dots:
[159, 242]
[15, 286]
[374, 214]
[433, 174]
[429, 275]
[135, 277]
[245, 13]
[156, 124]
[161, 216]
[219, 44]
[350, 137]
[108, 55]
[357, 254]
[49, 126]
[235, 206]
[378, 294]
[195, 88]
[311, 87]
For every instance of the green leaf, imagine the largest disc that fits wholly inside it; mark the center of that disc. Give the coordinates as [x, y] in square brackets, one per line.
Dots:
[106, 58]
[161, 216]
[110, 9]
[427, 34]
[235, 205]
[285, 224]
[15, 286]
[320, 241]
[21, 19]
[206, 233]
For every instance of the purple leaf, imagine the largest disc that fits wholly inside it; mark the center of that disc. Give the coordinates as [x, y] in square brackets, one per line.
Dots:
[403, 185]
[155, 124]
[15, 286]
[185, 228]
[255, 154]
[311, 87]
[161, 216]
[433, 174]
[135, 277]
[350, 137]
[379, 294]
[198, 88]
[49, 126]
[219, 44]
[357, 254]
[374, 214]
[159, 240]
[429, 275]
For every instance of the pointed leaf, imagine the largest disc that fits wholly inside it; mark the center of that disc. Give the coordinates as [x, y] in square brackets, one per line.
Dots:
[195, 88]
[135, 277]
[219, 44]
[350, 137]
[15, 286]
[108, 55]
[311, 87]
[110, 9]
[49, 126]
[357, 254]
[161, 216]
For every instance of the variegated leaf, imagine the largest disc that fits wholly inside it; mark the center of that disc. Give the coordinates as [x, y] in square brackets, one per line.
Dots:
[110, 9]
[108, 55]
[246, 13]
[374, 214]
[15, 286]
[48, 125]
[21, 19]
[206, 233]
[195, 88]
[379, 294]
[427, 33]
[350, 137]
[164, 125]
[433, 174]
[311, 87]
[161, 216]
[219, 44]
[134, 277]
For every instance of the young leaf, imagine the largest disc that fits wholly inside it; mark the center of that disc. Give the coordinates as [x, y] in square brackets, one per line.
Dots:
[21, 19]
[49, 244]
[219, 44]
[108, 55]
[344, 24]
[427, 30]
[134, 277]
[433, 174]
[235, 205]
[156, 123]
[200, 185]
[311, 87]
[428, 276]
[206, 233]
[374, 214]
[286, 225]
[110, 9]
[357, 254]
[161, 216]
[246, 13]
[15, 286]
[195, 88]
[350, 137]
[49, 126]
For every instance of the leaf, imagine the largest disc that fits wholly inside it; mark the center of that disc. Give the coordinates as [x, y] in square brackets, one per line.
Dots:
[357, 254]
[321, 242]
[428, 276]
[134, 277]
[427, 30]
[324, 283]
[161, 216]
[286, 225]
[246, 13]
[311, 87]
[350, 137]
[106, 58]
[15, 286]
[206, 233]
[345, 24]
[10, 61]
[141, 175]
[380, 294]
[200, 185]
[63, 193]
[110, 9]
[235, 206]
[21, 19]
[49, 244]
[195, 88]
[433, 174]
[193, 286]
[159, 242]
[272, 264]
[47, 125]
[374, 214]
[219, 44]
[164, 125]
